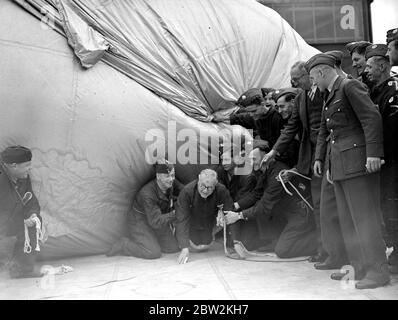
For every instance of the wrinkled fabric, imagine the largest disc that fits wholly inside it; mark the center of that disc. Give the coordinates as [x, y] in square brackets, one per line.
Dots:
[87, 128]
[197, 54]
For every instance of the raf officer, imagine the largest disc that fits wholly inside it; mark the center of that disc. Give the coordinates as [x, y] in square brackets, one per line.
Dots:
[385, 95]
[350, 144]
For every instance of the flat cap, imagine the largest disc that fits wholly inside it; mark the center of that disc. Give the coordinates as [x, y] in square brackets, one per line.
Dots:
[320, 58]
[247, 98]
[356, 44]
[392, 35]
[286, 91]
[16, 154]
[337, 55]
[163, 166]
[376, 50]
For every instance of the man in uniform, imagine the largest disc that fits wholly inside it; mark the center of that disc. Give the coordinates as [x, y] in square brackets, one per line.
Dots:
[306, 117]
[357, 51]
[199, 206]
[338, 56]
[276, 209]
[151, 217]
[19, 208]
[392, 42]
[350, 145]
[385, 95]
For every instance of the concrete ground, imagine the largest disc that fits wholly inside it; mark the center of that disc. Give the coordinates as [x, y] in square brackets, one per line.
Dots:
[208, 275]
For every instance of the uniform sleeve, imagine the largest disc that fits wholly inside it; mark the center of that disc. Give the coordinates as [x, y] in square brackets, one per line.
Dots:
[291, 129]
[368, 116]
[248, 184]
[243, 119]
[154, 215]
[33, 206]
[252, 197]
[269, 199]
[320, 152]
[182, 219]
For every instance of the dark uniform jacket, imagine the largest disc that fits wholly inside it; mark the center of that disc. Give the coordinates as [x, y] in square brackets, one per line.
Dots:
[268, 126]
[12, 211]
[274, 200]
[351, 130]
[299, 124]
[195, 212]
[385, 95]
[155, 205]
[239, 186]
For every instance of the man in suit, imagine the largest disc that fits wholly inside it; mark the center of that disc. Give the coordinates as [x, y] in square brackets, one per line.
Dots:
[350, 146]
[385, 95]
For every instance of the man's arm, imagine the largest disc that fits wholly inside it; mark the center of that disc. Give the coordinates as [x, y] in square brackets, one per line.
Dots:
[368, 116]
[182, 219]
[292, 127]
[243, 119]
[247, 185]
[154, 215]
[252, 197]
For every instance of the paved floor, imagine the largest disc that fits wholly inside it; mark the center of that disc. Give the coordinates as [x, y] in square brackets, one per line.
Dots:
[208, 275]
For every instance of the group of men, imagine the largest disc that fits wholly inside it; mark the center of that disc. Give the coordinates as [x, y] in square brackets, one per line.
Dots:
[330, 135]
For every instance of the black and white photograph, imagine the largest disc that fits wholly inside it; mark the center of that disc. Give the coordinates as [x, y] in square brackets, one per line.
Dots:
[198, 155]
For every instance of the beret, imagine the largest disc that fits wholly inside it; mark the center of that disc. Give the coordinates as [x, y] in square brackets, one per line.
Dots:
[164, 167]
[356, 44]
[376, 50]
[247, 98]
[392, 35]
[16, 154]
[285, 91]
[336, 54]
[320, 58]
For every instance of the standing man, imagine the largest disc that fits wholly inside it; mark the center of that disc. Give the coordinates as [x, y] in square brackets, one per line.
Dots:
[392, 42]
[306, 117]
[350, 145]
[385, 95]
[357, 51]
[199, 204]
[19, 209]
[151, 217]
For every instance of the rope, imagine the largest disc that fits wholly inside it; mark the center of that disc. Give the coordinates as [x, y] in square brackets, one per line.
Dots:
[39, 235]
[292, 185]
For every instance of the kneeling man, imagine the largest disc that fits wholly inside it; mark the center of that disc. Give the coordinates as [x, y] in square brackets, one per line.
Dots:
[150, 220]
[297, 237]
[199, 205]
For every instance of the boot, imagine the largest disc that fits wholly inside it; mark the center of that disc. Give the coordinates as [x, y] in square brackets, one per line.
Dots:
[375, 278]
[393, 261]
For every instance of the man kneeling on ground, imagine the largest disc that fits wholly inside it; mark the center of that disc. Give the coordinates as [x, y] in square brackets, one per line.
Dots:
[150, 220]
[198, 207]
[275, 210]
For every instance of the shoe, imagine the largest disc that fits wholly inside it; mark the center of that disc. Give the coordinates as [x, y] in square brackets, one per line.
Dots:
[359, 275]
[374, 279]
[319, 257]
[328, 265]
[116, 249]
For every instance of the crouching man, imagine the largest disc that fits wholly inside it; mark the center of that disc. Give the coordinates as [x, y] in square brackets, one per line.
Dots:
[199, 206]
[19, 212]
[150, 220]
[296, 236]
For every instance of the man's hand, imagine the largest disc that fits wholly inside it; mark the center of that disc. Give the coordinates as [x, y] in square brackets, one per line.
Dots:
[286, 176]
[268, 157]
[236, 206]
[373, 164]
[318, 168]
[184, 256]
[30, 222]
[232, 216]
[220, 219]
